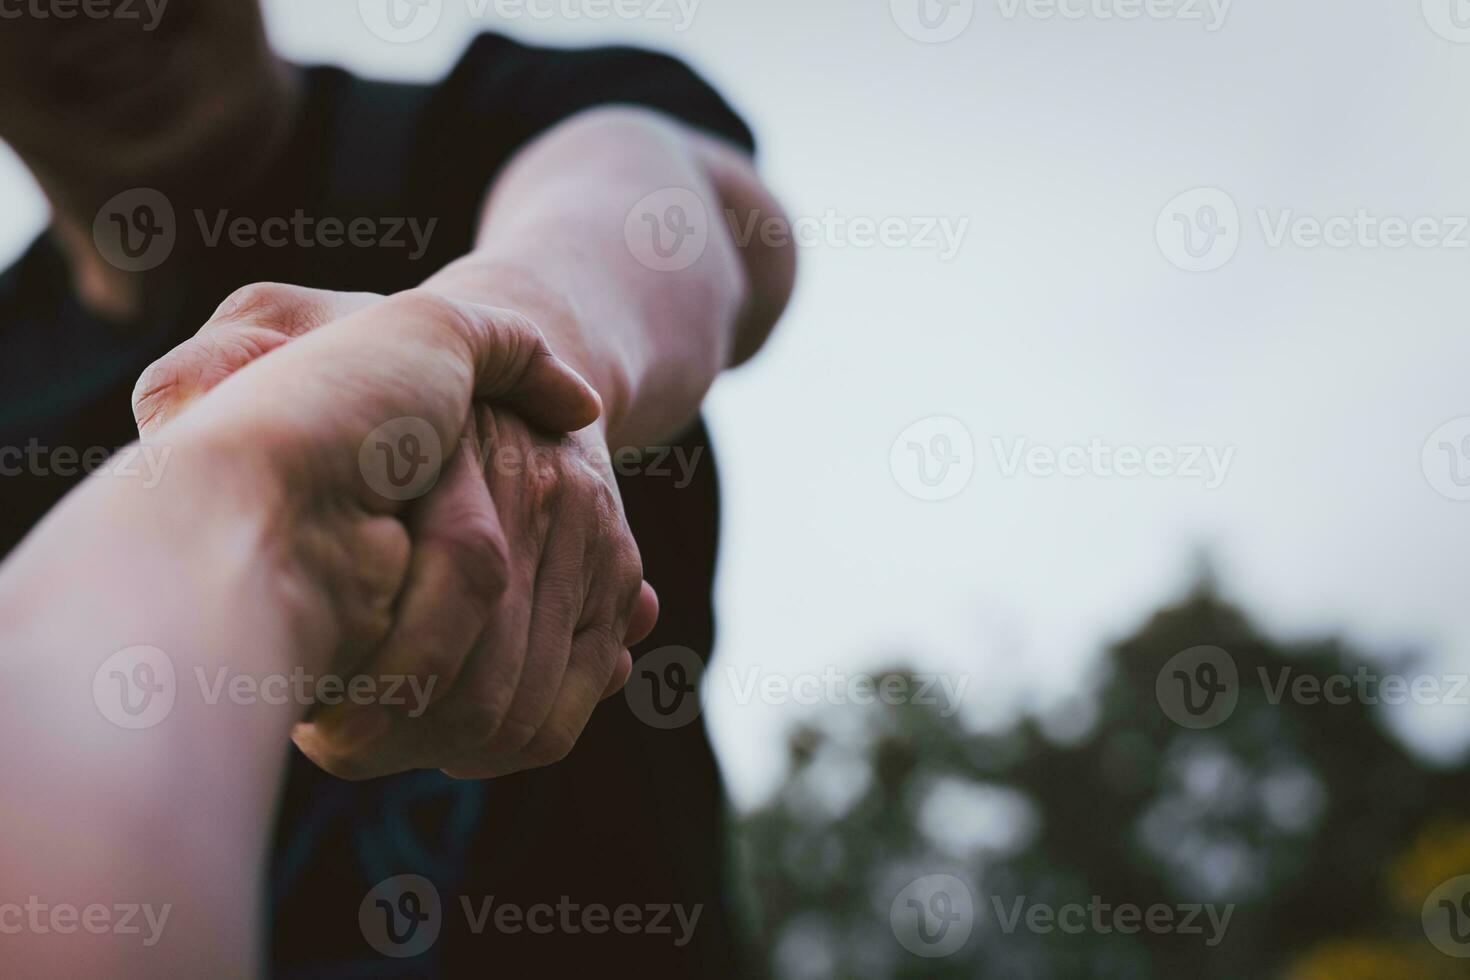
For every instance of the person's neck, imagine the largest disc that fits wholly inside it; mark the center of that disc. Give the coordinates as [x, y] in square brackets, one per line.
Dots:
[220, 163]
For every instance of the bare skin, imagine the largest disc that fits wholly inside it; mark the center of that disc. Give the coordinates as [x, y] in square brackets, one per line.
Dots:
[261, 552]
[93, 106]
[521, 593]
[552, 246]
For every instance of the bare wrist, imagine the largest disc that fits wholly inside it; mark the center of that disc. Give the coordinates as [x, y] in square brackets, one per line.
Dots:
[492, 281]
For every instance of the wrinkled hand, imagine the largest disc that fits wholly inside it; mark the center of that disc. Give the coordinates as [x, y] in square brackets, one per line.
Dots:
[522, 589]
[520, 677]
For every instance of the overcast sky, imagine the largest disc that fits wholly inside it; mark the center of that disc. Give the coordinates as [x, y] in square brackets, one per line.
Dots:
[1027, 324]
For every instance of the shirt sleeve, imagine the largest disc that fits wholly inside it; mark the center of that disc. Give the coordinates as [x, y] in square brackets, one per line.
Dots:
[502, 94]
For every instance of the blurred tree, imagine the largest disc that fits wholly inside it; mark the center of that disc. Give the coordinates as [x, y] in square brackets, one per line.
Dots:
[1307, 817]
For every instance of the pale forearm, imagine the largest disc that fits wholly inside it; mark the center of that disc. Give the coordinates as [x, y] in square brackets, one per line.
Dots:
[553, 245]
[167, 810]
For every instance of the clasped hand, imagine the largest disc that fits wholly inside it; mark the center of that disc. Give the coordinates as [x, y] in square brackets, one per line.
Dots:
[510, 590]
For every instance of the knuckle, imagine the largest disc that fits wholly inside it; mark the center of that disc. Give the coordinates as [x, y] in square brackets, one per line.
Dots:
[159, 385]
[478, 553]
[550, 746]
[630, 562]
[424, 306]
[624, 564]
[604, 646]
[519, 343]
[545, 483]
[280, 304]
[513, 736]
[604, 497]
[467, 723]
[433, 672]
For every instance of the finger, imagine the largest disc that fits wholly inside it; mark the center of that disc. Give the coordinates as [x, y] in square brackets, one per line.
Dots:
[460, 571]
[595, 654]
[645, 616]
[415, 355]
[377, 743]
[480, 702]
[554, 610]
[457, 577]
[518, 369]
[597, 649]
[251, 323]
[621, 672]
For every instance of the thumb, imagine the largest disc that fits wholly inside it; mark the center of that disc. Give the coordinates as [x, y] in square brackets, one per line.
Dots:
[251, 323]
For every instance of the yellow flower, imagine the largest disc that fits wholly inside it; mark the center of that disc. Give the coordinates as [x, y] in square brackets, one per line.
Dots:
[1441, 852]
[1354, 959]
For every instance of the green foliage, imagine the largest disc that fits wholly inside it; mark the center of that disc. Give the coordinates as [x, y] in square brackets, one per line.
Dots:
[1310, 820]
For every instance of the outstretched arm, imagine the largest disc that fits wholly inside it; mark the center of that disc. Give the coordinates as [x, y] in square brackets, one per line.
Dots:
[141, 778]
[567, 240]
[617, 233]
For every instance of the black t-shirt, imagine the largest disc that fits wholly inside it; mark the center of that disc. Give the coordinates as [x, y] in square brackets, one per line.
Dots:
[634, 817]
